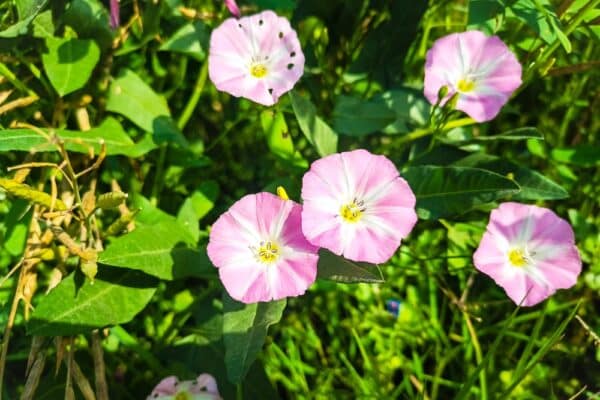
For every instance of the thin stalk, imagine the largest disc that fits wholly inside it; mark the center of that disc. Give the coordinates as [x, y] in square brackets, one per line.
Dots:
[158, 180]
[99, 367]
[419, 133]
[194, 98]
[8, 330]
[478, 356]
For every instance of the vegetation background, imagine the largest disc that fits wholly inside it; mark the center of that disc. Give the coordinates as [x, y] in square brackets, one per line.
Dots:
[184, 153]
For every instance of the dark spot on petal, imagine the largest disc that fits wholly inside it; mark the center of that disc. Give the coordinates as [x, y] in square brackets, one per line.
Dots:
[293, 54]
[271, 91]
[290, 66]
[155, 395]
[280, 35]
[260, 21]
[240, 25]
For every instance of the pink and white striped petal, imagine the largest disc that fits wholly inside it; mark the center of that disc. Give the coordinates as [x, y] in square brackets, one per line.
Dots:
[257, 57]
[357, 205]
[529, 251]
[204, 387]
[480, 68]
[260, 251]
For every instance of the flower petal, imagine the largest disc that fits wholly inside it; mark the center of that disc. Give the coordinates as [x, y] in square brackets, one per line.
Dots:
[373, 185]
[552, 260]
[264, 38]
[484, 61]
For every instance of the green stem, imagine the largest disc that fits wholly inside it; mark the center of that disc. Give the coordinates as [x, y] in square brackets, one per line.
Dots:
[478, 357]
[158, 177]
[419, 133]
[193, 100]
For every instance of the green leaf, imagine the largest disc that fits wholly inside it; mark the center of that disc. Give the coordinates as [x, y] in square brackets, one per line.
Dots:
[486, 15]
[191, 39]
[43, 25]
[318, 133]
[411, 109]
[131, 97]
[17, 226]
[583, 155]
[447, 191]
[77, 305]
[90, 19]
[538, 15]
[109, 131]
[339, 269]
[534, 186]
[283, 5]
[69, 63]
[514, 134]
[195, 207]
[391, 112]
[27, 10]
[279, 139]
[244, 332]
[356, 117]
[386, 43]
[162, 250]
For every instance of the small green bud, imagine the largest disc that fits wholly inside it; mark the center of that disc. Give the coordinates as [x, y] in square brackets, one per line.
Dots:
[111, 199]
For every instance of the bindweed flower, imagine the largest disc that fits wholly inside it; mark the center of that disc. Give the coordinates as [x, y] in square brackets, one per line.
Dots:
[257, 57]
[233, 8]
[114, 14]
[260, 251]
[480, 68]
[529, 251]
[357, 205]
[202, 388]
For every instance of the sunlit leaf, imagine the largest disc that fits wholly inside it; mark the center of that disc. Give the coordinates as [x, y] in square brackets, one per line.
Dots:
[447, 191]
[77, 305]
[244, 332]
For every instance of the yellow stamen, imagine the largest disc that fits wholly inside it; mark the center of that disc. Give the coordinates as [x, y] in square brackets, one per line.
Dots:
[268, 252]
[282, 193]
[182, 396]
[352, 212]
[517, 257]
[465, 85]
[258, 70]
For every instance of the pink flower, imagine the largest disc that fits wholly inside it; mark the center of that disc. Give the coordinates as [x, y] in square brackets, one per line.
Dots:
[256, 57]
[233, 8]
[114, 14]
[357, 205]
[529, 251]
[481, 69]
[202, 388]
[260, 251]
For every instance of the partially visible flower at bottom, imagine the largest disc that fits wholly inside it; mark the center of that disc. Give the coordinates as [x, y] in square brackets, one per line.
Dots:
[260, 250]
[529, 251]
[204, 387]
